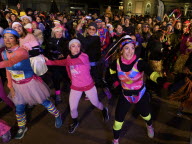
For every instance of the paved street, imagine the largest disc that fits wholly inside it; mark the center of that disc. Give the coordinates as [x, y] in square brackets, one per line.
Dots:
[169, 128]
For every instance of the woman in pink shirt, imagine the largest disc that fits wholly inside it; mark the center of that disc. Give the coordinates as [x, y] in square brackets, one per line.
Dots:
[26, 39]
[78, 68]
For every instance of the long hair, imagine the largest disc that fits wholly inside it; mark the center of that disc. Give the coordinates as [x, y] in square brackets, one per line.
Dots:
[158, 34]
[59, 28]
[24, 32]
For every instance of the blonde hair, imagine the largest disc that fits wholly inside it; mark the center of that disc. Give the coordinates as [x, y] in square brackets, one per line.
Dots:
[55, 29]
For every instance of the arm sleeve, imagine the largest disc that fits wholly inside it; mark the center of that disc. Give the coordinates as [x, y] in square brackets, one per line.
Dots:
[80, 36]
[65, 62]
[33, 41]
[113, 71]
[9, 79]
[107, 41]
[154, 76]
[20, 55]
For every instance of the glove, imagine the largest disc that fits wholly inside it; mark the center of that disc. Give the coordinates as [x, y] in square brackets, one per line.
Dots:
[116, 84]
[166, 85]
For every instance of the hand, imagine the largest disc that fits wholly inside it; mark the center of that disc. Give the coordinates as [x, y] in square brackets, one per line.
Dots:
[12, 92]
[46, 59]
[186, 70]
[116, 84]
[25, 47]
[166, 85]
[60, 56]
[18, 5]
[169, 48]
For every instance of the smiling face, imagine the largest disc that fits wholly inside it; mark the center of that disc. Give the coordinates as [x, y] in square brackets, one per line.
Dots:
[58, 34]
[18, 28]
[128, 51]
[9, 40]
[13, 17]
[91, 30]
[34, 25]
[119, 29]
[26, 21]
[75, 48]
[38, 19]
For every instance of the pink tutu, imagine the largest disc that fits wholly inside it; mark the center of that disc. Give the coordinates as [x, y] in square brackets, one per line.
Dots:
[4, 128]
[32, 92]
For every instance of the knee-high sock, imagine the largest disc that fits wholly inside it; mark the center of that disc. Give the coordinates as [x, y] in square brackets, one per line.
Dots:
[117, 129]
[51, 108]
[20, 115]
[148, 119]
[21, 119]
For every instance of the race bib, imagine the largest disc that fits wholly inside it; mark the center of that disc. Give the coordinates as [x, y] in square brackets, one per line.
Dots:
[73, 70]
[17, 75]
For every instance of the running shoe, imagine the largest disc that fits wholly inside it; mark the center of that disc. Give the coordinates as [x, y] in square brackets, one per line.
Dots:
[21, 132]
[105, 114]
[72, 127]
[150, 131]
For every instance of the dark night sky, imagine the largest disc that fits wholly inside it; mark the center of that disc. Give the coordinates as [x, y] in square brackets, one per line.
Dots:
[97, 2]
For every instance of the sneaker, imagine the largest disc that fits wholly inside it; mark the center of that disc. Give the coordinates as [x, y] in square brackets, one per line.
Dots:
[57, 99]
[115, 141]
[72, 127]
[150, 131]
[58, 122]
[21, 132]
[6, 137]
[180, 111]
[105, 114]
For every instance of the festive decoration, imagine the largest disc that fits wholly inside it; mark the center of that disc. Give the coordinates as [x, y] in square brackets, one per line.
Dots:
[176, 11]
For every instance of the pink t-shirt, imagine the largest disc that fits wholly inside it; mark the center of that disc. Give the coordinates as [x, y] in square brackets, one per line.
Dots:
[29, 41]
[80, 73]
[78, 70]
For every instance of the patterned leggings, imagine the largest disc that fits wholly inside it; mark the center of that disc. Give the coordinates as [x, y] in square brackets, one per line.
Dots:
[21, 116]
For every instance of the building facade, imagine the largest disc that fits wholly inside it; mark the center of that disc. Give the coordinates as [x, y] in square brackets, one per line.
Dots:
[152, 7]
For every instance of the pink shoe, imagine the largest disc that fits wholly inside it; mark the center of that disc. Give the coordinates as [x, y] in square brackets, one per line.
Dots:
[115, 141]
[150, 131]
[86, 98]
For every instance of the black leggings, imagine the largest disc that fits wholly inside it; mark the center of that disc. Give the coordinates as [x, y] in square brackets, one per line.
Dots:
[123, 106]
[58, 74]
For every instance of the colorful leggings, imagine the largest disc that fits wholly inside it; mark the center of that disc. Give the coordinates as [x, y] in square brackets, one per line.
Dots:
[21, 116]
[75, 96]
[143, 107]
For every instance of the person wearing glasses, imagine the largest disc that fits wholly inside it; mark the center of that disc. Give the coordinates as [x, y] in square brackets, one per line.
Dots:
[92, 47]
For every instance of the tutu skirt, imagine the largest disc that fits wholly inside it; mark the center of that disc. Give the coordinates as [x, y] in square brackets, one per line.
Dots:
[31, 93]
